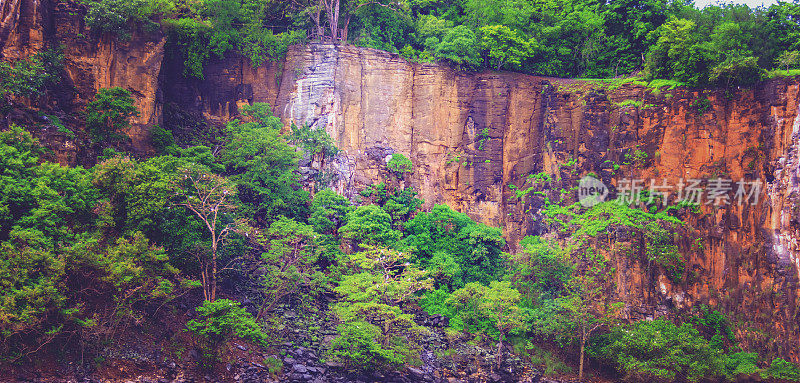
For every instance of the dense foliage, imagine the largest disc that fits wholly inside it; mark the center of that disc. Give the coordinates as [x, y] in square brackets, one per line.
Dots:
[87, 253]
[717, 45]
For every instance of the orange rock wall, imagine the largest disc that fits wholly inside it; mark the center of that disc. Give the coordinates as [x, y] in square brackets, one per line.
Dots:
[473, 135]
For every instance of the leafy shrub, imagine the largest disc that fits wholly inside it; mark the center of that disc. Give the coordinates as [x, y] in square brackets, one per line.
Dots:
[162, 139]
[660, 249]
[400, 164]
[476, 248]
[540, 270]
[359, 345]
[400, 203]
[492, 310]
[259, 159]
[110, 113]
[375, 336]
[369, 225]
[223, 320]
[118, 16]
[28, 77]
[659, 351]
[741, 363]
[313, 141]
[375, 333]
[781, 370]
[459, 46]
[328, 211]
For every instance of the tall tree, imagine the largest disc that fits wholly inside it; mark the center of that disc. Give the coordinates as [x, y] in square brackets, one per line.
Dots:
[208, 196]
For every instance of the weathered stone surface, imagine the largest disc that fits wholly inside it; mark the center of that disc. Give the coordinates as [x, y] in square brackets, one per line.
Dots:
[90, 62]
[472, 135]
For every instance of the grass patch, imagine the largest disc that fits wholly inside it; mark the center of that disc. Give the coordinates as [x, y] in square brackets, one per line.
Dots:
[657, 84]
[776, 73]
[634, 103]
[553, 366]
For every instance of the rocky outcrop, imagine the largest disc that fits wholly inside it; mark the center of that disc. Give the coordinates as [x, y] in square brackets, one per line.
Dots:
[91, 62]
[474, 139]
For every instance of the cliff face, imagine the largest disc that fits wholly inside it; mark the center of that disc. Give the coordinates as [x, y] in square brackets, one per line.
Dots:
[471, 136]
[90, 63]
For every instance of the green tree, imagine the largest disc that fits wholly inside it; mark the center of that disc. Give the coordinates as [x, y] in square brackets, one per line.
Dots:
[659, 351]
[117, 16]
[679, 54]
[261, 162]
[208, 197]
[28, 77]
[541, 270]
[500, 302]
[328, 211]
[376, 336]
[788, 59]
[586, 310]
[506, 48]
[460, 46]
[375, 332]
[400, 165]
[368, 225]
[400, 203]
[287, 261]
[476, 248]
[110, 113]
[31, 293]
[222, 320]
[493, 310]
[383, 275]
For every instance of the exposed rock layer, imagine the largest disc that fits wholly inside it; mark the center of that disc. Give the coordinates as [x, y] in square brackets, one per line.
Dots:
[473, 135]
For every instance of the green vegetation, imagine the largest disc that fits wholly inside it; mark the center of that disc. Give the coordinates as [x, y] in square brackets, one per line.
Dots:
[29, 77]
[89, 253]
[723, 45]
[375, 333]
[400, 164]
[109, 113]
[222, 320]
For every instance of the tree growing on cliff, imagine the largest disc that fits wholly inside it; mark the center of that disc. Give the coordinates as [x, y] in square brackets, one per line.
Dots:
[28, 77]
[496, 307]
[287, 262]
[460, 46]
[340, 12]
[110, 113]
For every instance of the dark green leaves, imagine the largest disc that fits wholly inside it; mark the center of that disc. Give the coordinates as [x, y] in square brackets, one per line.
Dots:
[110, 113]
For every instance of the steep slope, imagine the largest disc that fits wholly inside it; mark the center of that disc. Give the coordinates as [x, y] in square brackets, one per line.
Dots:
[471, 136]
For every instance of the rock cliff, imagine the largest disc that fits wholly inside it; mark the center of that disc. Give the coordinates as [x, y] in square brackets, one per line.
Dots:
[91, 63]
[474, 139]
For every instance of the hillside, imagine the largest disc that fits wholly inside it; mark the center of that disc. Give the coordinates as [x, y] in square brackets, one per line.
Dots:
[385, 217]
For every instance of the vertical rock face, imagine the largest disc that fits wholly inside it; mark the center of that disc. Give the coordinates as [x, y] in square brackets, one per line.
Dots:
[473, 135]
[90, 62]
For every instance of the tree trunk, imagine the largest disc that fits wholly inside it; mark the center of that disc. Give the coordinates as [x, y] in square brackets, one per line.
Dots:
[214, 280]
[499, 351]
[580, 366]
